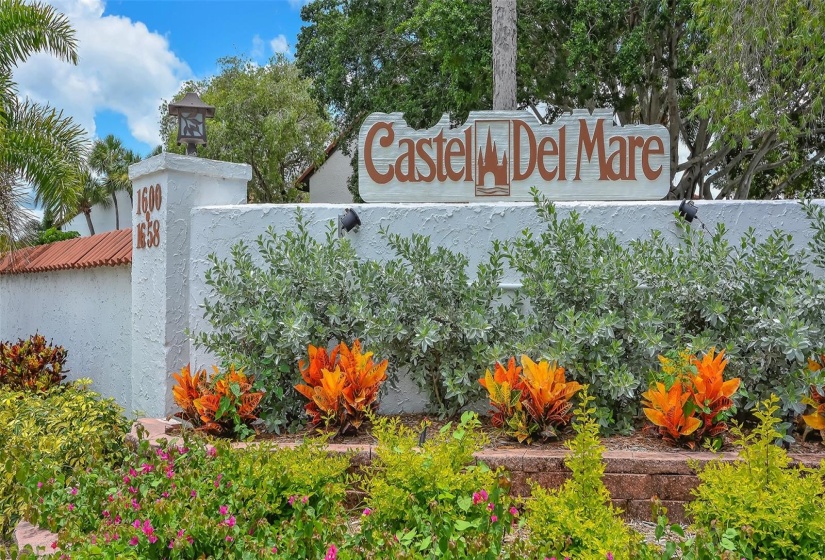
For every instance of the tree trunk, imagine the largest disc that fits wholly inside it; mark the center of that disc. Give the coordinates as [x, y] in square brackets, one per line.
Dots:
[88, 213]
[504, 55]
[117, 214]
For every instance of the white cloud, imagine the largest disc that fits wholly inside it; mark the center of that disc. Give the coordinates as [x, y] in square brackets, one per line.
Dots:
[122, 67]
[257, 47]
[280, 45]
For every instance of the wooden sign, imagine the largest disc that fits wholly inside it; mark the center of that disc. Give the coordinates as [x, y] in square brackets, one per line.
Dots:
[501, 155]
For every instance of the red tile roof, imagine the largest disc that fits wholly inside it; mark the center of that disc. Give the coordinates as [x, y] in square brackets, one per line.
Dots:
[105, 249]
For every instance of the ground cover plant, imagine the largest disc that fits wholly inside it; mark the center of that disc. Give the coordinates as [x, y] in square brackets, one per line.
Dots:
[54, 434]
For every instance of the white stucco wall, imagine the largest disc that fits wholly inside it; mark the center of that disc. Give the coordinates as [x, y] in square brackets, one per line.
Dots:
[329, 182]
[103, 219]
[87, 311]
[467, 228]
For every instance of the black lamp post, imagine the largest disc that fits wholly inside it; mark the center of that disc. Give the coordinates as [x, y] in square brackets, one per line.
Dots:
[192, 113]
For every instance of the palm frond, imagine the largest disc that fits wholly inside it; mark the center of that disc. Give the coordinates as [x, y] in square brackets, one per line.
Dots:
[47, 150]
[17, 225]
[27, 28]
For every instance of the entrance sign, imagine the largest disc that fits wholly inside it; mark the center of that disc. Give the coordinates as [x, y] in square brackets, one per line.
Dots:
[500, 155]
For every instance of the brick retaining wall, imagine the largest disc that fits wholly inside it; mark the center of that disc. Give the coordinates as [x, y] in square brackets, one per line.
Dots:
[634, 478]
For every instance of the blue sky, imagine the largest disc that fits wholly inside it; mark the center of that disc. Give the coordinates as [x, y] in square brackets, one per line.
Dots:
[134, 53]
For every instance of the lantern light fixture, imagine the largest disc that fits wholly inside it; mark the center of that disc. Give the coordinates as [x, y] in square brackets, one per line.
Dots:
[192, 113]
[688, 210]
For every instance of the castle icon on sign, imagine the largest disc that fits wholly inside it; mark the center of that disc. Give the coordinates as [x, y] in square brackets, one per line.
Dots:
[490, 137]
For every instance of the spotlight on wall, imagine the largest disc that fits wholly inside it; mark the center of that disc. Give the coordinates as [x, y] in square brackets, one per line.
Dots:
[688, 210]
[347, 221]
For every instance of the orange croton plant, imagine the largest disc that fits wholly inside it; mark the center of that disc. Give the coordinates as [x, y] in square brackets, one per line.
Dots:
[220, 404]
[531, 400]
[695, 403]
[341, 386]
[815, 419]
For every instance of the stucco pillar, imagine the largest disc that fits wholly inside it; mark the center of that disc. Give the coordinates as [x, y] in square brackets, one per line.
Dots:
[165, 190]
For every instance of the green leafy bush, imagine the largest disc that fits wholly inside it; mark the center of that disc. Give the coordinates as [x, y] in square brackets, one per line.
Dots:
[606, 310]
[760, 507]
[578, 520]
[426, 313]
[52, 235]
[31, 364]
[190, 501]
[433, 500]
[55, 434]
[264, 316]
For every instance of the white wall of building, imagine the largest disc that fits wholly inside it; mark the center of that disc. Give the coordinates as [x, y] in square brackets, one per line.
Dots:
[87, 311]
[103, 219]
[466, 228]
[329, 182]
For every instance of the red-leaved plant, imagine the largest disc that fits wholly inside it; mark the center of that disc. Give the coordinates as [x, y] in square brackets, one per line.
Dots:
[342, 386]
[31, 364]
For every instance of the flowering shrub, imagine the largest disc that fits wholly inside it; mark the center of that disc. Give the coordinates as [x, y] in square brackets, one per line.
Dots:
[433, 500]
[53, 434]
[694, 399]
[529, 402]
[189, 501]
[223, 404]
[341, 387]
[31, 364]
[578, 520]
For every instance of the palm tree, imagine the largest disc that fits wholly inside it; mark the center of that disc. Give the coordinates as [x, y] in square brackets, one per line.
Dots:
[38, 145]
[94, 192]
[111, 161]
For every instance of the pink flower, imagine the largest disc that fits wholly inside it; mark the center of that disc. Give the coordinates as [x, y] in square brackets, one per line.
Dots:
[40, 485]
[224, 510]
[126, 480]
[106, 513]
[274, 550]
[367, 511]
[609, 556]
[493, 519]
[54, 545]
[71, 507]
[170, 473]
[218, 480]
[146, 468]
[133, 541]
[165, 494]
[73, 491]
[135, 505]
[181, 532]
[332, 553]
[513, 511]
[490, 507]
[153, 539]
[136, 523]
[132, 490]
[172, 543]
[304, 499]
[117, 520]
[193, 493]
[291, 500]
[229, 539]
[132, 471]
[147, 527]
[483, 495]
[212, 452]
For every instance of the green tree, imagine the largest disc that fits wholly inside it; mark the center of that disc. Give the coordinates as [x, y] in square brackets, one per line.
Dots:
[93, 192]
[740, 88]
[110, 160]
[38, 146]
[264, 116]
